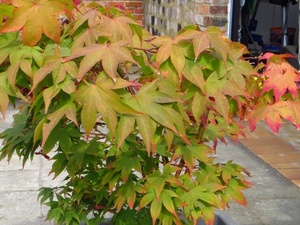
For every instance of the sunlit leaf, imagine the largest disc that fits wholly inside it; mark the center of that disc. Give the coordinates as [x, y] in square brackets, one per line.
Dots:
[118, 28]
[25, 15]
[110, 56]
[96, 100]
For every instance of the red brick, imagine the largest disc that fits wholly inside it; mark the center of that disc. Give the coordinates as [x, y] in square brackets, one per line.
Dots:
[218, 10]
[204, 9]
[134, 7]
[212, 21]
[118, 4]
[138, 11]
[134, 4]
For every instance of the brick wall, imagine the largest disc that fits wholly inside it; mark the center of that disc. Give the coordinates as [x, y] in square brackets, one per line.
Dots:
[169, 16]
[133, 6]
[211, 13]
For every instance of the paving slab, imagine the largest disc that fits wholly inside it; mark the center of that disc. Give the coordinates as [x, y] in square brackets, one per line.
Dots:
[272, 200]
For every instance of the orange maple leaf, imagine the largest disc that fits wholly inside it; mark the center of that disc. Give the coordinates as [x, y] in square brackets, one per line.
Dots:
[28, 17]
[272, 114]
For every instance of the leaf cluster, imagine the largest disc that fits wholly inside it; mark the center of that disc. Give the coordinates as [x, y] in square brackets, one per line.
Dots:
[133, 120]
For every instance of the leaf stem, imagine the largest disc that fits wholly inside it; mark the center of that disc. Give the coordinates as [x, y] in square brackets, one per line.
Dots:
[152, 50]
[201, 128]
[200, 132]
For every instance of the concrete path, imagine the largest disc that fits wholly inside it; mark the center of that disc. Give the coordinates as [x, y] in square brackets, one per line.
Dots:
[18, 187]
[273, 200]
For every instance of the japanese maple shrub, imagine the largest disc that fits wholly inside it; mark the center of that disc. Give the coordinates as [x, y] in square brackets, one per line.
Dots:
[132, 119]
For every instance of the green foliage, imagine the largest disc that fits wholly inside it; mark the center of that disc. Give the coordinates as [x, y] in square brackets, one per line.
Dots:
[129, 117]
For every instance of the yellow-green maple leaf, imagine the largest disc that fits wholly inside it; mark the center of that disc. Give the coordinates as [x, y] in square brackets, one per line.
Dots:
[98, 100]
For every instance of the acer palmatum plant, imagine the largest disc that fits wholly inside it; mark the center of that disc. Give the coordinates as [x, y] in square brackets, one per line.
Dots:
[130, 117]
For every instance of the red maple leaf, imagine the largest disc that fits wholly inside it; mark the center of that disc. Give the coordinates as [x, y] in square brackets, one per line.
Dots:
[76, 2]
[281, 79]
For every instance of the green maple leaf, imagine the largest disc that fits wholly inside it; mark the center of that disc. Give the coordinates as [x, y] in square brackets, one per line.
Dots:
[7, 90]
[236, 84]
[85, 27]
[178, 56]
[110, 55]
[85, 14]
[125, 127]
[5, 11]
[49, 93]
[29, 15]
[89, 36]
[8, 44]
[68, 110]
[190, 154]
[21, 58]
[234, 189]
[126, 193]
[155, 210]
[199, 40]
[156, 111]
[91, 98]
[173, 48]
[57, 67]
[4, 90]
[195, 197]
[199, 106]
[51, 63]
[147, 129]
[213, 86]
[166, 198]
[158, 179]
[165, 45]
[121, 164]
[193, 73]
[280, 80]
[145, 123]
